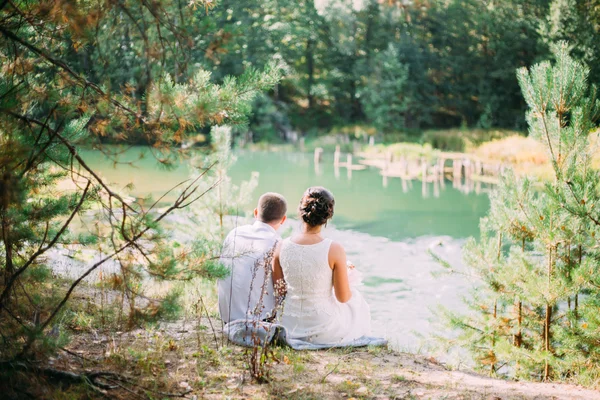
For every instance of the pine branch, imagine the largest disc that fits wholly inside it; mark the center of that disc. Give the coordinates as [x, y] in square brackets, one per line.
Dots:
[547, 134]
[34, 156]
[62, 65]
[182, 201]
[12, 89]
[73, 151]
[587, 213]
[41, 250]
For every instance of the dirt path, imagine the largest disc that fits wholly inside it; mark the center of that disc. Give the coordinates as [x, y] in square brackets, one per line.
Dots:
[432, 381]
[390, 375]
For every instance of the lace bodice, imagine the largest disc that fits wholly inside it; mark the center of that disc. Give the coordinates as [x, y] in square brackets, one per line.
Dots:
[308, 277]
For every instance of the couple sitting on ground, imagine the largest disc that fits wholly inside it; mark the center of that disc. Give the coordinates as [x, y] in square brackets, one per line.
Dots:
[307, 272]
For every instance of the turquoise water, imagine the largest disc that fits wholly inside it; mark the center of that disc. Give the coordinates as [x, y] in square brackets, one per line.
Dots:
[387, 228]
[396, 211]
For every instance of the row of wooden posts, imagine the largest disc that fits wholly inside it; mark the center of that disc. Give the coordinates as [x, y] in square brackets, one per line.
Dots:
[462, 166]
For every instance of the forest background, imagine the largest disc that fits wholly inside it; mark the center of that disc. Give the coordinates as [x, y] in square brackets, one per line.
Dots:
[396, 69]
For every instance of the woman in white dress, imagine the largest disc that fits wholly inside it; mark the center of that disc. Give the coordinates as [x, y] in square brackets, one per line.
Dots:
[320, 306]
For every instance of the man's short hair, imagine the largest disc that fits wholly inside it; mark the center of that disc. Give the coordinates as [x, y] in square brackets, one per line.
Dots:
[271, 207]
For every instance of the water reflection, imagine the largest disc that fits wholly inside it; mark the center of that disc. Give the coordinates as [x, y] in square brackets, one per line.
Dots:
[318, 169]
[368, 201]
[406, 171]
[435, 182]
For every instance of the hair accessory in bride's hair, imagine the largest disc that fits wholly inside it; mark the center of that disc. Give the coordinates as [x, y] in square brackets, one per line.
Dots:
[316, 206]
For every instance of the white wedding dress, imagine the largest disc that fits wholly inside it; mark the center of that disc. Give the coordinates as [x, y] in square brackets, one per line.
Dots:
[311, 312]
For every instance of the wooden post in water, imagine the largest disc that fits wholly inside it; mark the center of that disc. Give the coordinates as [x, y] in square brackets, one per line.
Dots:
[442, 171]
[423, 169]
[457, 170]
[318, 154]
[468, 168]
[388, 160]
[478, 168]
[336, 156]
[349, 166]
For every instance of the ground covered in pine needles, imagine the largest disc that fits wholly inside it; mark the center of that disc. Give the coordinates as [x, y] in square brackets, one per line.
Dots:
[187, 359]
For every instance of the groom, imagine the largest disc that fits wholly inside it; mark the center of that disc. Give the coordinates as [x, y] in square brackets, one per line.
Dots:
[244, 253]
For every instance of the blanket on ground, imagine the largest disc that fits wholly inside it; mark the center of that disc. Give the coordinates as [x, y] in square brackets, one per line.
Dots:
[247, 333]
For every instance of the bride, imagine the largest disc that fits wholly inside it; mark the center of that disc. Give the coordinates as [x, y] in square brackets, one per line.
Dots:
[321, 306]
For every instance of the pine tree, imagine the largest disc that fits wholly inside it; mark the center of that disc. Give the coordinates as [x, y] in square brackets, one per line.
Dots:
[79, 89]
[534, 312]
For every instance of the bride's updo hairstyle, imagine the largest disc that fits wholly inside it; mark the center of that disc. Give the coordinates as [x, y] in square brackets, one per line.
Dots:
[316, 206]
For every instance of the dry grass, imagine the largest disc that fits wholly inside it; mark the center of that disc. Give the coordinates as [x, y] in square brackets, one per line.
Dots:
[514, 150]
[527, 156]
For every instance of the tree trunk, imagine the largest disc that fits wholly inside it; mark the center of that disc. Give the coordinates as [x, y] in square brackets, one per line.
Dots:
[9, 267]
[547, 339]
[493, 365]
[518, 338]
[548, 320]
[310, 71]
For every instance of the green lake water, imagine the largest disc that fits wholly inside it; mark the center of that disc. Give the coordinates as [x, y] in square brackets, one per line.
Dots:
[363, 203]
[387, 227]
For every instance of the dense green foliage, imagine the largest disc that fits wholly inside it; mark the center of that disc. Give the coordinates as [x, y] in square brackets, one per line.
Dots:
[459, 57]
[535, 312]
[383, 97]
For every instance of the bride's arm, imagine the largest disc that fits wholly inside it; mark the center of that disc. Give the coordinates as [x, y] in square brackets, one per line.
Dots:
[278, 281]
[337, 261]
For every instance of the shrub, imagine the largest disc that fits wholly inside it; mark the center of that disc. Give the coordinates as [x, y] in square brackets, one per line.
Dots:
[447, 140]
[463, 139]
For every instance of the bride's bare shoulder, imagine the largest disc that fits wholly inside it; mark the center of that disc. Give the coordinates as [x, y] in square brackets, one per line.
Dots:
[336, 248]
